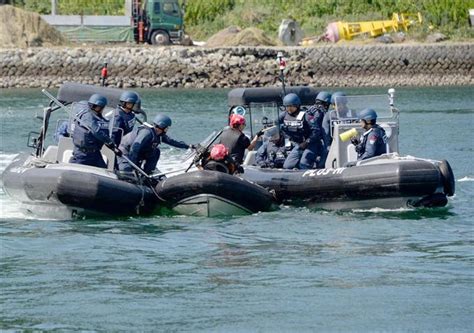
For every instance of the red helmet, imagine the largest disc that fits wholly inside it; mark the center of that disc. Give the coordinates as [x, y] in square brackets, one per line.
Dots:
[236, 120]
[219, 152]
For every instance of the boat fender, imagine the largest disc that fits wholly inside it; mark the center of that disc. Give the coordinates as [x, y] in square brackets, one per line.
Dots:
[447, 177]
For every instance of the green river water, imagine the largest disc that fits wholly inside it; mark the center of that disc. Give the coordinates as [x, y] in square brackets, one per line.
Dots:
[291, 270]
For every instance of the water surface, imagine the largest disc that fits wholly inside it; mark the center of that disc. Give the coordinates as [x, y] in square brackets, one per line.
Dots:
[290, 270]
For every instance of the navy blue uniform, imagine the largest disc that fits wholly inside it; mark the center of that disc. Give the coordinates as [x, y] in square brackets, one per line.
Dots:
[271, 155]
[372, 143]
[297, 130]
[61, 131]
[123, 123]
[236, 142]
[329, 117]
[314, 117]
[90, 132]
[142, 145]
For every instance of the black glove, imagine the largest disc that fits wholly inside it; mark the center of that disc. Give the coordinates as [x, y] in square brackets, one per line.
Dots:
[354, 141]
[110, 145]
[259, 133]
[117, 151]
[114, 148]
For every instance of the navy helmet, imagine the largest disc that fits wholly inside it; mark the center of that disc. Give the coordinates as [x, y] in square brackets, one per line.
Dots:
[368, 115]
[324, 96]
[97, 100]
[338, 97]
[129, 97]
[137, 107]
[162, 121]
[291, 100]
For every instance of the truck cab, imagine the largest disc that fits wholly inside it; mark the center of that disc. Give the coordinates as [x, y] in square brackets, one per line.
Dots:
[158, 22]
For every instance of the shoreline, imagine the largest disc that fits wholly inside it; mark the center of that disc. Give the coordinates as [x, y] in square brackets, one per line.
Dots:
[347, 65]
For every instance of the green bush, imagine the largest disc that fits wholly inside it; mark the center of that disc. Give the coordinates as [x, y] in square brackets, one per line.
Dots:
[90, 7]
[205, 17]
[74, 7]
[198, 11]
[39, 6]
[449, 16]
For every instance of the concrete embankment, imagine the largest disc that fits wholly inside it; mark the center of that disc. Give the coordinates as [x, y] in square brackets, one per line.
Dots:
[194, 67]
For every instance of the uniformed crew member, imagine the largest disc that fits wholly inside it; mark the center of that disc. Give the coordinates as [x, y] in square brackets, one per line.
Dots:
[90, 133]
[338, 110]
[123, 117]
[296, 128]
[61, 131]
[272, 153]
[314, 156]
[373, 142]
[141, 145]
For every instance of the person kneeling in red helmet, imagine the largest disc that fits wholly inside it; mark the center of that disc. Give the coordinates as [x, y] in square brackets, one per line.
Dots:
[219, 160]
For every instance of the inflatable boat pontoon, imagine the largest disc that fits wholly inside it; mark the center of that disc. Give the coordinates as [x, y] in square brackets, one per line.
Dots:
[387, 181]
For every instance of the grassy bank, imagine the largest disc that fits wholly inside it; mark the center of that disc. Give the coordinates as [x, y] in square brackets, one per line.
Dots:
[205, 17]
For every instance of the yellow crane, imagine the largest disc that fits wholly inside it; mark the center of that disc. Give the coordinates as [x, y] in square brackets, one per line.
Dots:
[348, 30]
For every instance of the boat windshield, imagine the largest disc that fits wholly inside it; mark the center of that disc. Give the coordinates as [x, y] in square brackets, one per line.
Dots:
[348, 107]
[262, 115]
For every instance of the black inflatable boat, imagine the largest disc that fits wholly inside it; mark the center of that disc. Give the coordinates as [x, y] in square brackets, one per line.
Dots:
[388, 181]
[212, 193]
[48, 186]
[396, 183]
[65, 191]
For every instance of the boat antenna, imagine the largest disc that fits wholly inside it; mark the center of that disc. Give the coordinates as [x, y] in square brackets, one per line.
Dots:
[391, 100]
[282, 64]
[103, 74]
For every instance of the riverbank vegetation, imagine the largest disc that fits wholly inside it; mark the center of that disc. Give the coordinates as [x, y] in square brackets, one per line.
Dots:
[206, 17]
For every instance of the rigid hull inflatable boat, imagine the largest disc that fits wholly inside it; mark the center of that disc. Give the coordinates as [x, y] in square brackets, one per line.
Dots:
[48, 186]
[387, 181]
[64, 190]
[212, 193]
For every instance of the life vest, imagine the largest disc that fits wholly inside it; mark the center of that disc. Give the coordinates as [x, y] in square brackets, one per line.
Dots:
[88, 127]
[294, 127]
[236, 142]
[226, 165]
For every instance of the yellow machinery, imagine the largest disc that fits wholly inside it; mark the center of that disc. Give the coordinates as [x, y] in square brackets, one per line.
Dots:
[348, 30]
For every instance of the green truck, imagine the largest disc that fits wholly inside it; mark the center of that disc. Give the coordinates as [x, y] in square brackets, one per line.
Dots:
[158, 22]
